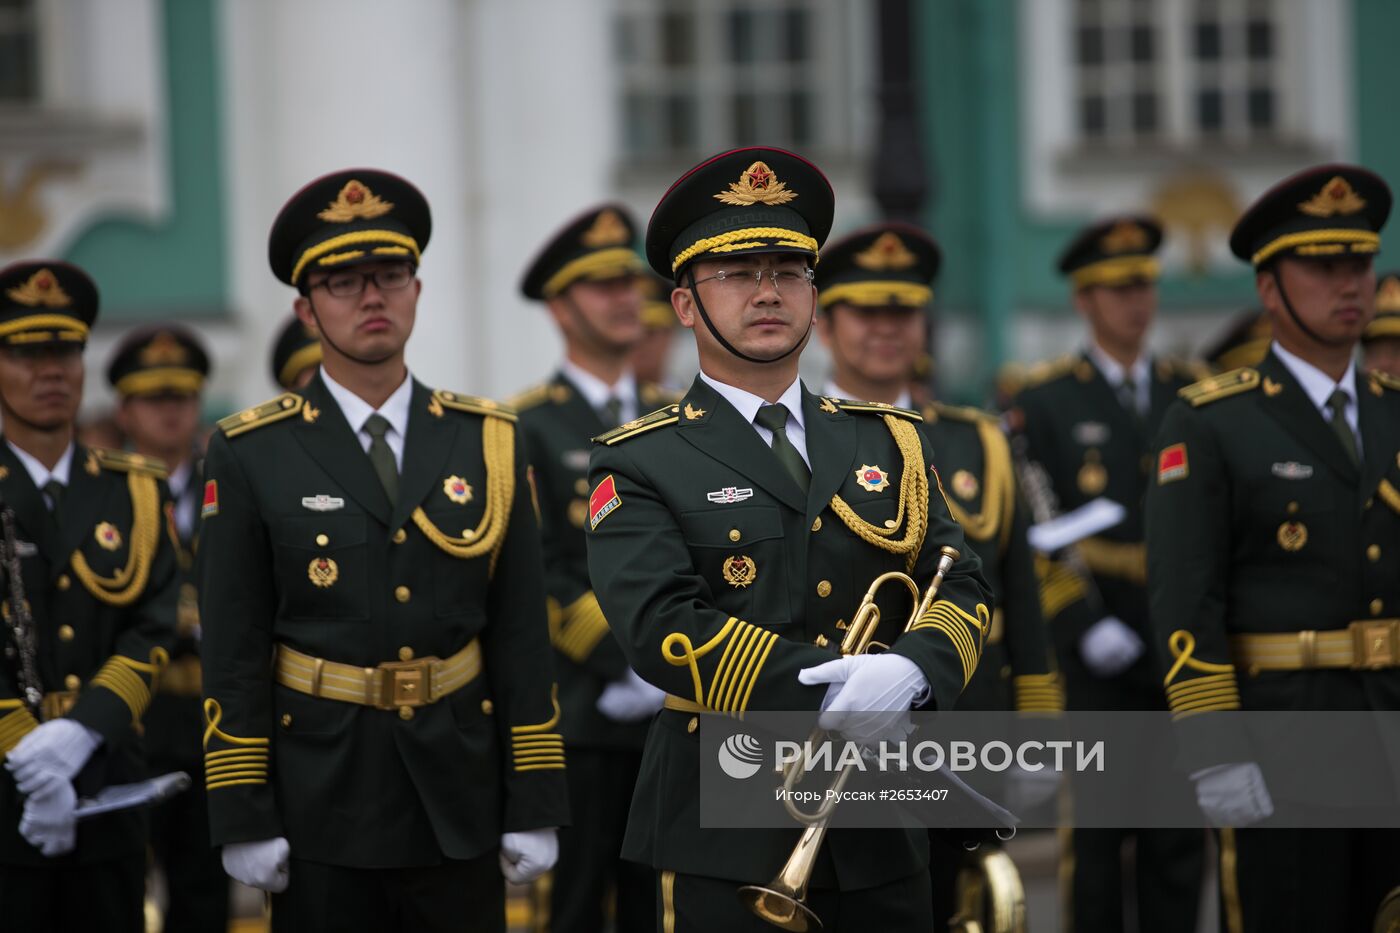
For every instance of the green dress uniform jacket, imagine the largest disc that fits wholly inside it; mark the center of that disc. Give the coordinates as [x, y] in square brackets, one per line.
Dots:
[1017, 670]
[104, 616]
[722, 580]
[301, 549]
[559, 424]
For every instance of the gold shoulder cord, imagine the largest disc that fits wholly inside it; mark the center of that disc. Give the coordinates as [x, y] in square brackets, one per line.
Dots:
[998, 491]
[498, 450]
[123, 588]
[913, 499]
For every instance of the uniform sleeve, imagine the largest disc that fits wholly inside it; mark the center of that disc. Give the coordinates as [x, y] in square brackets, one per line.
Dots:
[663, 613]
[520, 669]
[117, 696]
[1035, 681]
[237, 606]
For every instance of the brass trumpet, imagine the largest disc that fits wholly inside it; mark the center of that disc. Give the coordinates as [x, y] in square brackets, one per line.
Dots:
[990, 896]
[782, 901]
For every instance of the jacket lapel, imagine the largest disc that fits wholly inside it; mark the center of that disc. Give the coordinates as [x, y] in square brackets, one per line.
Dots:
[83, 503]
[1380, 436]
[718, 430]
[578, 412]
[35, 522]
[427, 445]
[831, 450]
[332, 443]
[1292, 408]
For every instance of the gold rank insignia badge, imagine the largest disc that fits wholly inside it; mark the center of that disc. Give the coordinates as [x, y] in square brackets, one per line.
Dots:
[323, 572]
[739, 571]
[1292, 536]
[965, 485]
[107, 535]
[457, 489]
[872, 478]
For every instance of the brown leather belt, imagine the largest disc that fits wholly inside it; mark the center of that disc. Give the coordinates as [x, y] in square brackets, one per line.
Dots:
[183, 677]
[1369, 644]
[391, 685]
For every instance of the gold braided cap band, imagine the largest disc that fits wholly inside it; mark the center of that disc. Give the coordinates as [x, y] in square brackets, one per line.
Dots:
[745, 239]
[877, 294]
[1116, 271]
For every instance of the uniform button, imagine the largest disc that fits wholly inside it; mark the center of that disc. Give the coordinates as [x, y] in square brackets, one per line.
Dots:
[734, 534]
[402, 594]
[693, 724]
[821, 641]
[488, 707]
[1006, 672]
[1376, 607]
[400, 536]
[405, 713]
[322, 540]
[71, 682]
[817, 525]
[405, 653]
[468, 534]
[1373, 553]
[65, 633]
[1292, 508]
[891, 523]
[64, 581]
[286, 720]
[824, 589]
[581, 487]
[1370, 502]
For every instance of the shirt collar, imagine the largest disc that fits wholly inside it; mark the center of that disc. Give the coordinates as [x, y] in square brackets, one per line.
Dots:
[356, 410]
[1317, 385]
[180, 479]
[748, 404]
[1113, 371]
[903, 400]
[594, 390]
[41, 474]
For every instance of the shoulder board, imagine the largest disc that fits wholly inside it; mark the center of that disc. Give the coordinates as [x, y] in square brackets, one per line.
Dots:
[473, 404]
[936, 410]
[530, 398]
[653, 394]
[283, 406]
[1190, 370]
[657, 419]
[1385, 380]
[1050, 370]
[121, 461]
[877, 408]
[1222, 386]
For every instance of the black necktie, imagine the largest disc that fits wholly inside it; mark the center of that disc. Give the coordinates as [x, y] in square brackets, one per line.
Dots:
[382, 456]
[611, 412]
[775, 418]
[1338, 402]
[54, 490]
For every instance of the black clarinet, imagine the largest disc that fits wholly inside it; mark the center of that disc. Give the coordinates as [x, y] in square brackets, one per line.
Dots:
[19, 621]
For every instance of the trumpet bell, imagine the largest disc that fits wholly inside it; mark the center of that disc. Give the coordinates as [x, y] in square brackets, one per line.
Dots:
[780, 909]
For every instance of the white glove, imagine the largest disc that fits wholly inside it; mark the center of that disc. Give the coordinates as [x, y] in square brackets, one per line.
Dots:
[870, 695]
[527, 855]
[263, 864]
[1233, 794]
[49, 822]
[1109, 647]
[59, 746]
[630, 699]
[1026, 790]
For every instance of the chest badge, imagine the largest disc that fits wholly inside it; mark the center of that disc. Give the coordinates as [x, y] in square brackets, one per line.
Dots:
[1291, 470]
[457, 489]
[323, 572]
[1093, 477]
[872, 478]
[107, 535]
[320, 503]
[739, 571]
[1292, 536]
[729, 494]
[965, 485]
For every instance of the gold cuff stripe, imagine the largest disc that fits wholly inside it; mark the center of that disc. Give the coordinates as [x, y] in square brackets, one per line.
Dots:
[61, 322]
[1116, 271]
[308, 355]
[123, 676]
[15, 726]
[877, 294]
[541, 727]
[580, 628]
[231, 766]
[356, 238]
[544, 767]
[1359, 241]
[213, 715]
[738, 668]
[232, 781]
[1058, 597]
[735, 239]
[602, 263]
[235, 762]
[1126, 561]
[240, 752]
[1182, 645]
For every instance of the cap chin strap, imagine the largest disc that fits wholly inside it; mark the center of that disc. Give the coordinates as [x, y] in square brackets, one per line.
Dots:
[710, 325]
[362, 360]
[1288, 306]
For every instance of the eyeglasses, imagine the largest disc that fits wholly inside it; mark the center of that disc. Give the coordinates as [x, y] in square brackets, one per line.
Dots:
[789, 282]
[351, 282]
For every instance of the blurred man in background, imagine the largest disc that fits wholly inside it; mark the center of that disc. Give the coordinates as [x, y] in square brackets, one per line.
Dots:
[659, 325]
[295, 355]
[1380, 342]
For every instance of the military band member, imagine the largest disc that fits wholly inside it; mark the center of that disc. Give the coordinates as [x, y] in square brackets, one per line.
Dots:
[158, 373]
[1273, 524]
[382, 739]
[1380, 342]
[732, 533]
[587, 275]
[1089, 420]
[652, 354]
[295, 355]
[98, 574]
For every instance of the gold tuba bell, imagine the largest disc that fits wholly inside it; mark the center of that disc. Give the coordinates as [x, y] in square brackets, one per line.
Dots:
[782, 901]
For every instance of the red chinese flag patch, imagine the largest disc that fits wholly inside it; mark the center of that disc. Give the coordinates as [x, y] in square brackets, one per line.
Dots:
[211, 499]
[603, 502]
[1171, 464]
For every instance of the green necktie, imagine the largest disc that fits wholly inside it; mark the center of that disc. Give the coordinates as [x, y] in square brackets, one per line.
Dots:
[1338, 402]
[54, 490]
[775, 418]
[612, 412]
[381, 456]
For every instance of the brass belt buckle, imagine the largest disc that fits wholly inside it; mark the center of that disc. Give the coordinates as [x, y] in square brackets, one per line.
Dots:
[406, 683]
[1375, 644]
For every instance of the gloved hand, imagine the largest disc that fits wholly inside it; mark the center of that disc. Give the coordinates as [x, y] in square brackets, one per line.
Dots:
[527, 855]
[1026, 790]
[870, 695]
[263, 864]
[1109, 647]
[59, 746]
[1233, 794]
[630, 699]
[49, 822]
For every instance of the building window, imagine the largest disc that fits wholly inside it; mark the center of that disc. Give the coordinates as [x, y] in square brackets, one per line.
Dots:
[19, 52]
[704, 75]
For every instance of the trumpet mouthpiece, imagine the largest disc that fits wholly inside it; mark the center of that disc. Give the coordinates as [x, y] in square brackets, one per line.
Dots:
[951, 553]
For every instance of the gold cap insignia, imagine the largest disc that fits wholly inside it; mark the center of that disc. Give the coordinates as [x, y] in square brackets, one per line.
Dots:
[1388, 295]
[607, 230]
[163, 350]
[1124, 237]
[355, 202]
[757, 184]
[887, 252]
[1336, 197]
[41, 289]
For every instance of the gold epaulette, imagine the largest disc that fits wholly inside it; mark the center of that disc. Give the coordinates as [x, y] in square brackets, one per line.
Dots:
[532, 397]
[121, 461]
[473, 404]
[653, 394]
[936, 410]
[1191, 370]
[1050, 370]
[283, 406]
[1385, 380]
[1222, 386]
[876, 408]
[657, 419]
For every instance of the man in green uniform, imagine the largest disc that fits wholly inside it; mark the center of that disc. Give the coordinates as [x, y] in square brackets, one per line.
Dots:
[586, 274]
[98, 577]
[1088, 421]
[732, 534]
[1273, 525]
[382, 739]
[295, 355]
[158, 373]
[1380, 342]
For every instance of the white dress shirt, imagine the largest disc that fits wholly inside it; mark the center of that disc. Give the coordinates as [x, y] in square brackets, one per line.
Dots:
[42, 474]
[596, 392]
[357, 411]
[748, 404]
[179, 482]
[1115, 374]
[1318, 387]
[832, 390]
